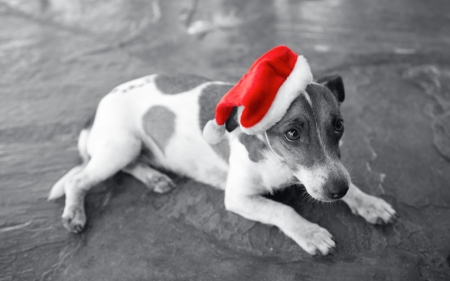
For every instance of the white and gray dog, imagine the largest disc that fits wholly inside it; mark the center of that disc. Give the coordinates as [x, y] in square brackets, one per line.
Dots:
[155, 123]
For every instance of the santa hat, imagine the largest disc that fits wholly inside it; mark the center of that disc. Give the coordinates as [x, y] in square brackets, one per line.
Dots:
[263, 95]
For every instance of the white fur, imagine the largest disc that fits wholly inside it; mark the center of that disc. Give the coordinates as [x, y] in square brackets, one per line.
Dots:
[274, 172]
[313, 179]
[213, 132]
[308, 98]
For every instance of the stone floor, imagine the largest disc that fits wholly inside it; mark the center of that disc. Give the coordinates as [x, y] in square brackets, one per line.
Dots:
[57, 60]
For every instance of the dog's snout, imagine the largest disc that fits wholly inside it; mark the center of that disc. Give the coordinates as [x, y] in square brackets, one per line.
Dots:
[337, 189]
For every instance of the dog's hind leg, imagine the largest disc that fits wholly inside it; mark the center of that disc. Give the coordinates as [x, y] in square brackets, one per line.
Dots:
[107, 158]
[153, 179]
[58, 188]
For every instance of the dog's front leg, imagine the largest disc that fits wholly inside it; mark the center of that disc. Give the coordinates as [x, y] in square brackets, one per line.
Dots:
[374, 210]
[240, 199]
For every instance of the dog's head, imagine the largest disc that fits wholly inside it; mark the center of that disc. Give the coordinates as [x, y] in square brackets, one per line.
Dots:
[308, 136]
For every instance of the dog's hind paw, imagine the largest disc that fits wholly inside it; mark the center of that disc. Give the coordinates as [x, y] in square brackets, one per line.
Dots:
[374, 210]
[74, 219]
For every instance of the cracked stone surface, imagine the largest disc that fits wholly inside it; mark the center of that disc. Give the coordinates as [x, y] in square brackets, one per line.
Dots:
[58, 59]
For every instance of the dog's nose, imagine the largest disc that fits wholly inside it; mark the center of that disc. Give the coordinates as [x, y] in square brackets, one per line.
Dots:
[338, 190]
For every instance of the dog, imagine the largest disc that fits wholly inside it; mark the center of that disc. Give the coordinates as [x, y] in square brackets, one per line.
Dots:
[155, 123]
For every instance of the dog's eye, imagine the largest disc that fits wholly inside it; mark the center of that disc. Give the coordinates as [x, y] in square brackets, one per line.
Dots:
[339, 125]
[292, 135]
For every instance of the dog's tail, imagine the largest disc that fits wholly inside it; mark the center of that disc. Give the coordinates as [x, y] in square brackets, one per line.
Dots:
[58, 188]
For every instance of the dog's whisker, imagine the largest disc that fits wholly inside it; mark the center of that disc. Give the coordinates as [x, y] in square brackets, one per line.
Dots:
[281, 167]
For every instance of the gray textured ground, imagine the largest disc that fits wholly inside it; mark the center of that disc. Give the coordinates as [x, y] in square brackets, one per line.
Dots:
[57, 61]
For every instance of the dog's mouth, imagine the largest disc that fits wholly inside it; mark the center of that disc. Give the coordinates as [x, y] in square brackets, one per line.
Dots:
[327, 200]
[331, 192]
[323, 185]
[307, 194]
[319, 193]
[320, 198]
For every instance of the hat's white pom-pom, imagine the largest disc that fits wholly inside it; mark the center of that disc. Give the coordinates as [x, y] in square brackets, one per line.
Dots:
[213, 132]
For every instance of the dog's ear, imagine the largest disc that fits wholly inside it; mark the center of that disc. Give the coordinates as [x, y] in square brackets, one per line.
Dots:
[232, 122]
[335, 85]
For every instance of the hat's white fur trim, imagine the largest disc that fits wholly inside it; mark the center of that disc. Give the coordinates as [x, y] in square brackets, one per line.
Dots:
[294, 85]
[213, 132]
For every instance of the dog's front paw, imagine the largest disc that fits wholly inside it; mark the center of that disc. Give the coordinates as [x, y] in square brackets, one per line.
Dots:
[374, 210]
[74, 219]
[162, 184]
[315, 240]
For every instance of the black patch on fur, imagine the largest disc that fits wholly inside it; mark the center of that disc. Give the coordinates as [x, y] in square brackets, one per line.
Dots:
[254, 147]
[222, 149]
[324, 107]
[208, 100]
[159, 124]
[335, 84]
[175, 84]
[232, 121]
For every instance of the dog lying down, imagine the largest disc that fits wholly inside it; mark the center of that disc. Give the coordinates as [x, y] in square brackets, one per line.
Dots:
[274, 128]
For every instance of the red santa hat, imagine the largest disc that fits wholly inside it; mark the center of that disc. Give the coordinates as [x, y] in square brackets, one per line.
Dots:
[263, 95]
